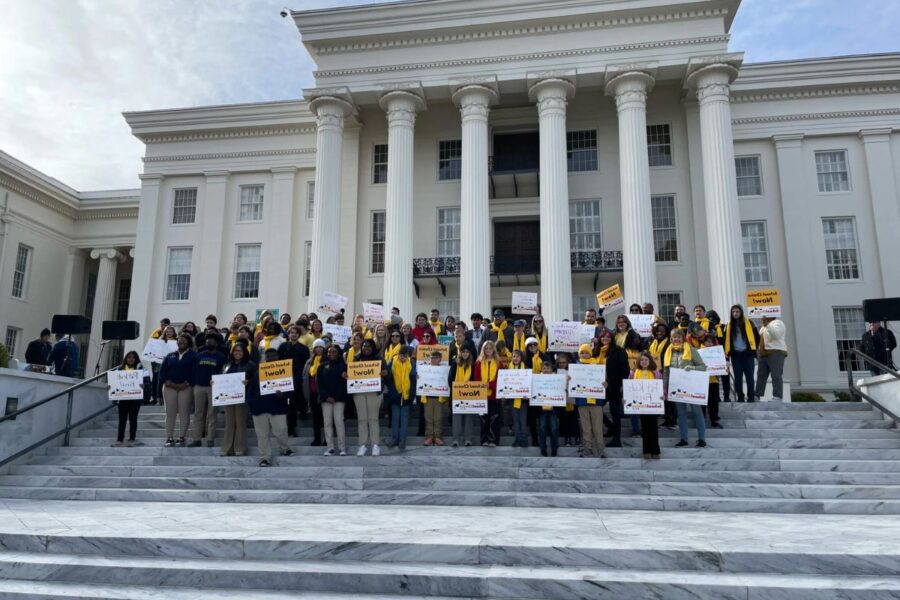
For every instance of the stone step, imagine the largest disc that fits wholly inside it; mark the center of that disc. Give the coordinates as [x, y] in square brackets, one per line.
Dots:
[734, 490]
[411, 579]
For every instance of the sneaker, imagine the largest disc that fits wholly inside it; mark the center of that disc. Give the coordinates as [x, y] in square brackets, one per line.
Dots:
[329, 452]
[491, 445]
[392, 444]
[429, 441]
[170, 442]
[179, 442]
[287, 452]
[195, 444]
[376, 451]
[438, 441]
[343, 453]
[118, 444]
[210, 444]
[455, 444]
[484, 444]
[717, 425]
[701, 444]
[681, 444]
[402, 445]
[265, 463]
[543, 452]
[361, 451]
[468, 444]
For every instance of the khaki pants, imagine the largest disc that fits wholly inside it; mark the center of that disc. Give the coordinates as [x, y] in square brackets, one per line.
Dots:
[333, 415]
[591, 417]
[434, 418]
[276, 425]
[235, 439]
[178, 405]
[204, 414]
[367, 407]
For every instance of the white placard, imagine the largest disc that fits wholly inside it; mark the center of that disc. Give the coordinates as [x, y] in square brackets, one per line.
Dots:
[643, 324]
[714, 358]
[340, 334]
[228, 389]
[689, 387]
[432, 380]
[524, 303]
[470, 407]
[125, 385]
[514, 383]
[568, 336]
[373, 313]
[156, 351]
[548, 390]
[758, 312]
[331, 303]
[643, 397]
[586, 381]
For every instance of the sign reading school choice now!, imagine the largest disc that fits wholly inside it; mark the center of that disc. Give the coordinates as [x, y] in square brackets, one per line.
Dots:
[364, 377]
[764, 303]
[276, 376]
[423, 354]
[470, 398]
[611, 298]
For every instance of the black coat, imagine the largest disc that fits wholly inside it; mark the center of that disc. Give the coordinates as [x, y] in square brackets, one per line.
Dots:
[330, 380]
[617, 370]
[879, 345]
[298, 354]
[38, 353]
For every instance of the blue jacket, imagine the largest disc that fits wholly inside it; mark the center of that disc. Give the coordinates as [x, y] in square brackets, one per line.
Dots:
[178, 370]
[58, 356]
[207, 364]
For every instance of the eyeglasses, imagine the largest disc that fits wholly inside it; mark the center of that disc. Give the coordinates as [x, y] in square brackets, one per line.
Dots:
[538, 322]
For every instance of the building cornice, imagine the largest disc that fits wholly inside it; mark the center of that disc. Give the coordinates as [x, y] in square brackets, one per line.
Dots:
[805, 94]
[849, 114]
[35, 195]
[225, 134]
[113, 213]
[468, 62]
[229, 155]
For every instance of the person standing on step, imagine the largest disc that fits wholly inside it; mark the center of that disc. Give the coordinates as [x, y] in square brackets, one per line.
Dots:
[548, 422]
[519, 406]
[741, 341]
[590, 413]
[706, 340]
[534, 358]
[629, 340]
[657, 346]
[402, 394]
[177, 375]
[234, 439]
[129, 409]
[680, 356]
[617, 371]
[772, 352]
[331, 381]
[646, 369]
[463, 370]
[486, 368]
[368, 405]
[568, 417]
[269, 416]
[498, 331]
[311, 390]
[435, 410]
[295, 351]
[210, 361]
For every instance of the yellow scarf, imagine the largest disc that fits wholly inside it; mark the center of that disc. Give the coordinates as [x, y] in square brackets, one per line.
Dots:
[620, 338]
[591, 361]
[489, 374]
[499, 330]
[463, 373]
[268, 340]
[536, 363]
[644, 374]
[542, 340]
[748, 334]
[685, 355]
[504, 357]
[656, 347]
[401, 370]
[156, 334]
[314, 365]
[517, 402]
[601, 360]
[391, 351]
[704, 322]
[436, 326]
[519, 342]
[351, 354]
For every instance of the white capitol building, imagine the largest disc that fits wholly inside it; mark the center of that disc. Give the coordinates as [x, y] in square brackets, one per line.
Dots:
[454, 151]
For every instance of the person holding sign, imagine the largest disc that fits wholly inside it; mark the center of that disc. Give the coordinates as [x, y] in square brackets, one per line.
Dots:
[657, 347]
[298, 353]
[395, 342]
[434, 409]
[646, 369]
[176, 373]
[269, 416]
[741, 341]
[311, 390]
[368, 404]
[704, 339]
[402, 394]
[680, 356]
[534, 358]
[463, 370]
[772, 352]
[590, 413]
[568, 419]
[519, 407]
[210, 361]
[617, 371]
[129, 409]
[486, 372]
[548, 421]
[234, 442]
[331, 381]
[539, 332]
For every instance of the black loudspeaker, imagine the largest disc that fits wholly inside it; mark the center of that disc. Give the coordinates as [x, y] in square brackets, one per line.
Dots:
[121, 330]
[881, 309]
[70, 324]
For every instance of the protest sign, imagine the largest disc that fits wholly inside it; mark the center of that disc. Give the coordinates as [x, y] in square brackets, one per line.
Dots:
[689, 387]
[642, 324]
[156, 351]
[228, 389]
[548, 390]
[714, 359]
[643, 397]
[276, 376]
[586, 381]
[470, 398]
[125, 385]
[514, 383]
[423, 354]
[568, 336]
[340, 334]
[373, 313]
[364, 377]
[610, 299]
[524, 303]
[331, 303]
[763, 303]
[431, 380]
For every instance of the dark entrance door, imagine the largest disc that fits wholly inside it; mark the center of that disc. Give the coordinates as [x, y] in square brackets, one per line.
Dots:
[517, 247]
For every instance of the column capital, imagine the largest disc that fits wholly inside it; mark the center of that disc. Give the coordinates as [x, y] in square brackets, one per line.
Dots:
[551, 94]
[475, 101]
[401, 107]
[107, 253]
[876, 135]
[283, 172]
[330, 111]
[151, 178]
[788, 140]
[131, 252]
[711, 77]
[630, 89]
[216, 176]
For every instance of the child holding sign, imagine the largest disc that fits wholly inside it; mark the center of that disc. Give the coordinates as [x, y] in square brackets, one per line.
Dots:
[270, 415]
[548, 421]
[463, 370]
[402, 393]
[646, 369]
[590, 414]
[519, 407]
[129, 409]
[486, 372]
[434, 410]
[680, 356]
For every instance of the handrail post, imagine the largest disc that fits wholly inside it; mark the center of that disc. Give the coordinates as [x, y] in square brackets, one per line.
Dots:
[69, 403]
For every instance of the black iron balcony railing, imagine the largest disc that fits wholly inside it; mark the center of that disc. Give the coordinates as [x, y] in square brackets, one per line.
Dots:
[592, 261]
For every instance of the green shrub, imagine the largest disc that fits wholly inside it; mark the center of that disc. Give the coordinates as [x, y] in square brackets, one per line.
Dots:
[4, 357]
[843, 396]
[806, 397]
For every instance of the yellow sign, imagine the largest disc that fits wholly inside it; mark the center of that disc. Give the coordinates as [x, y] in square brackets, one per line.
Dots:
[763, 303]
[366, 369]
[470, 390]
[277, 369]
[610, 298]
[423, 353]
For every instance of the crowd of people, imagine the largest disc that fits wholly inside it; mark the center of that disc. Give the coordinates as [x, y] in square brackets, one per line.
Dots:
[478, 350]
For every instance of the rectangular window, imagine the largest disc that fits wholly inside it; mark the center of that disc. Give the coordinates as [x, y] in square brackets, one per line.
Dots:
[449, 307]
[581, 150]
[378, 228]
[307, 268]
[246, 271]
[379, 163]
[178, 274]
[251, 203]
[756, 252]
[659, 145]
[20, 274]
[448, 232]
[581, 304]
[310, 200]
[749, 176]
[12, 337]
[831, 171]
[666, 303]
[122, 299]
[849, 326]
[665, 229]
[449, 160]
[89, 295]
[184, 208]
[840, 249]
[585, 226]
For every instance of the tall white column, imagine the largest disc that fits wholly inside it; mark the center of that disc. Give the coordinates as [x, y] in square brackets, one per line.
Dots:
[401, 108]
[474, 103]
[104, 300]
[630, 90]
[330, 113]
[145, 246]
[885, 204]
[280, 276]
[209, 290]
[556, 255]
[723, 221]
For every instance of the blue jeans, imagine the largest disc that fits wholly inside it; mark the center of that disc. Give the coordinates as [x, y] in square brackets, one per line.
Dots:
[699, 420]
[742, 364]
[399, 422]
[548, 424]
[635, 424]
[520, 424]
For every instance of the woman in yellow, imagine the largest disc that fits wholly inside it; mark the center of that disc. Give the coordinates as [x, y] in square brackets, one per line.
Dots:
[462, 370]
[646, 369]
[486, 372]
[356, 342]
[539, 332]
[657, 347]
[402, 394]
[380, 335]
[311, 390]
[590, 413]
[395, 342]
[519, 337]
[519, 407]
[680, 356]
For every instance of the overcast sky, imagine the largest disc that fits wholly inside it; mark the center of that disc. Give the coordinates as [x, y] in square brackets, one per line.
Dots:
[69, 68]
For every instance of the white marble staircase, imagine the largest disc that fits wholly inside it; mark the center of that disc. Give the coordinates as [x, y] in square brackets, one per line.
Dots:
[788, 501]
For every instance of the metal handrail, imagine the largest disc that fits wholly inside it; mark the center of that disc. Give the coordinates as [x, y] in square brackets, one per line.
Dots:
[848, 364]
[68, 390]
